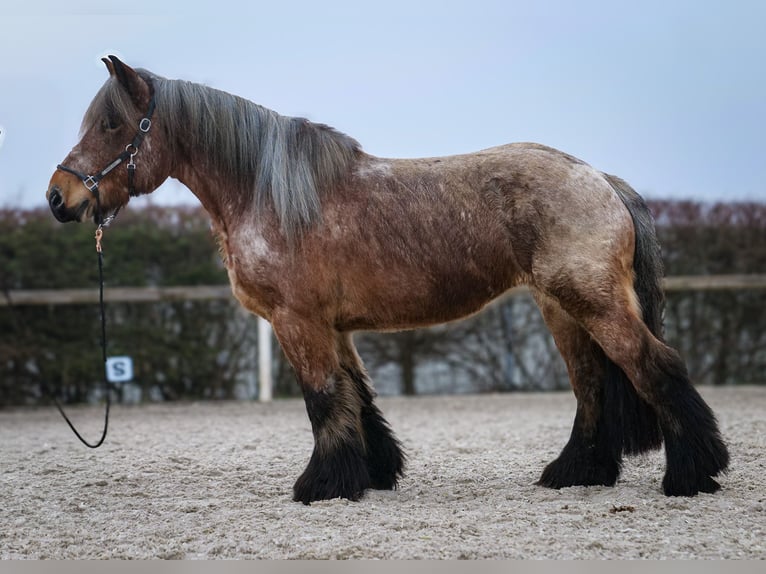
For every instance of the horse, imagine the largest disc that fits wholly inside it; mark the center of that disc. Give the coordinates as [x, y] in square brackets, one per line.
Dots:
[323, 239]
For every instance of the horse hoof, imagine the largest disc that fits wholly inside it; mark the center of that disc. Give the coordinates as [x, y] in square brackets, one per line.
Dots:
[672, 486]
[572, 470]
[339, 473]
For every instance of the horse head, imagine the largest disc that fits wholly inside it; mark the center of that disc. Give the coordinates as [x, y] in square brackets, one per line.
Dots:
[121, 152]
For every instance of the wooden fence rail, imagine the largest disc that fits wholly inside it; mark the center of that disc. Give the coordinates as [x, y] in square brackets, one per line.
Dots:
[114, 295]
[206, 292]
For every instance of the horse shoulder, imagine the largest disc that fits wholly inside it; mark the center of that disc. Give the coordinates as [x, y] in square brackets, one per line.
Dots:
[255, 262]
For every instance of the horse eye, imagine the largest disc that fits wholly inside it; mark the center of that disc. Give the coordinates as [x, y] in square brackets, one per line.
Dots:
[110, 123]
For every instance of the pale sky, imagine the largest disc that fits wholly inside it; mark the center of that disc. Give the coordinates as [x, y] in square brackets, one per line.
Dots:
[670, 95]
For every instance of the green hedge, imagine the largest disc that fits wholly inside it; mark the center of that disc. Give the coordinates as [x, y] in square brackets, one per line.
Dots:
[188, 349]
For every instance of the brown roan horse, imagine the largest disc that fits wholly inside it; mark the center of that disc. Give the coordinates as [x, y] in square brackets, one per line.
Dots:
[323, 239]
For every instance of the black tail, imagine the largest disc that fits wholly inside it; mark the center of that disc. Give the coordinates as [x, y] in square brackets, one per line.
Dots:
[625, 413]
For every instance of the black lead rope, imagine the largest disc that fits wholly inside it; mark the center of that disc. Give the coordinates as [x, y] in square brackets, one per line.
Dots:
[107, 389]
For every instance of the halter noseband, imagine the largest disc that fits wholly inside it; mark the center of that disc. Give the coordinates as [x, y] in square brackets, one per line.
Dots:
[131, 150]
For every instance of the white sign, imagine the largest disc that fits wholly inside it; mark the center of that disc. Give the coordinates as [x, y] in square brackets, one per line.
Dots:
[119, 369]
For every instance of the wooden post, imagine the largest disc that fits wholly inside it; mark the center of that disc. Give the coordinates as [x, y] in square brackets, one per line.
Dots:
[251, 376]
[264, 361]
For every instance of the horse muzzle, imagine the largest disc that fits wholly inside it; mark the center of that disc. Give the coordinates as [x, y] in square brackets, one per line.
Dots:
[59, 208]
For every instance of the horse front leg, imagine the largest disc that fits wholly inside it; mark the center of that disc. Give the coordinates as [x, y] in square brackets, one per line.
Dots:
[383, 452]
[338, 466]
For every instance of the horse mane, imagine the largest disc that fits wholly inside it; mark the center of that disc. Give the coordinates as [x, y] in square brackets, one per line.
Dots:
[258, 153]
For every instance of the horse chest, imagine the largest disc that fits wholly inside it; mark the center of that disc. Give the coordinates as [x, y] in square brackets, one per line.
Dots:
[251, 265]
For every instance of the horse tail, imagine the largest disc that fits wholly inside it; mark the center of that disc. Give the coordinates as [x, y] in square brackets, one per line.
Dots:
[626, 414]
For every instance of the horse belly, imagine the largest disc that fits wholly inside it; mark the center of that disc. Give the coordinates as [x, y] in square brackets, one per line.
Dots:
[409, 298]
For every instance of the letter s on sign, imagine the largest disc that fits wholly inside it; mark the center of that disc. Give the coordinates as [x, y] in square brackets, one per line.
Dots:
[119, 369]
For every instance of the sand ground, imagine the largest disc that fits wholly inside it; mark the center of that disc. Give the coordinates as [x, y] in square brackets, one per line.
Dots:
[214, 480]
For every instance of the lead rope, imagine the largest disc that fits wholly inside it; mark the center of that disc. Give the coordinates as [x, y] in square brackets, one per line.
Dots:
[99, 235]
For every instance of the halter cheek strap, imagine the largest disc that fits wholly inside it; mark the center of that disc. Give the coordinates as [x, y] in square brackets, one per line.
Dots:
[131, 150]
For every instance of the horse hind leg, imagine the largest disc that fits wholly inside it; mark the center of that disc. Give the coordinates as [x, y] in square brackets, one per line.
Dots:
[610, 416]
[383, 452]
[694, 449]
[589, 457]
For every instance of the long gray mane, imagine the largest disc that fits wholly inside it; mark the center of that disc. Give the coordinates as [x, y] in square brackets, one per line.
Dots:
[257, 152]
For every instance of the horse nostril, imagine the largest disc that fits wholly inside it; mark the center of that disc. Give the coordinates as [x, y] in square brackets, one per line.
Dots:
[55, 198]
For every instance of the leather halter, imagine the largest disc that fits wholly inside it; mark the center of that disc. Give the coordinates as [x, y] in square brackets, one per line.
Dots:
[91, 181]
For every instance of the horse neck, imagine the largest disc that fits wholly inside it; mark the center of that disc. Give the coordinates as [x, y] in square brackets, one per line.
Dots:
[224, 209]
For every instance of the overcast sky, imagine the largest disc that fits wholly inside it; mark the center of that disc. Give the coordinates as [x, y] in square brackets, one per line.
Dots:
[670, 95]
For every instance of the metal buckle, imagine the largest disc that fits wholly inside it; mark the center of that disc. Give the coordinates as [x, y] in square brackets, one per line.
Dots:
[133, 153]
[108, 220]
[90, 182]
[145, 124]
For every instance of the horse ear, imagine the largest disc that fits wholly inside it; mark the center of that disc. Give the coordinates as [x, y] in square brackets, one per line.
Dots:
[137, 88]
[109, 65]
